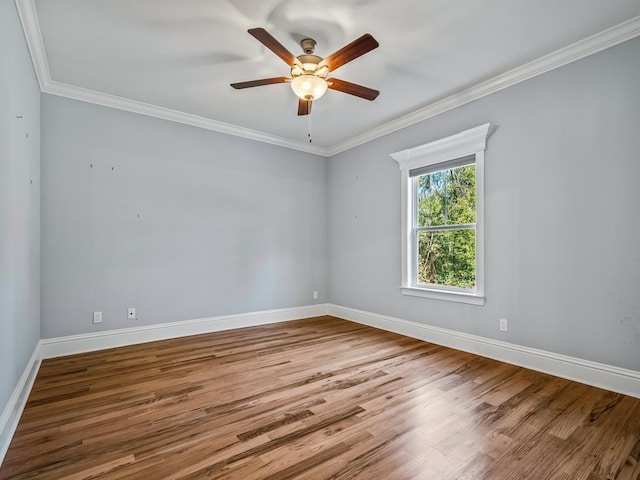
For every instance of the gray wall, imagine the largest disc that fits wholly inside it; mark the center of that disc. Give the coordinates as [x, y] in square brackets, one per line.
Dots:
[176, 221]
[186, 223]
[19, 203]
[562, 214]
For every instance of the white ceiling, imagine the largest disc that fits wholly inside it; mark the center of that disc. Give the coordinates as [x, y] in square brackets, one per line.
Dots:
[183, 54]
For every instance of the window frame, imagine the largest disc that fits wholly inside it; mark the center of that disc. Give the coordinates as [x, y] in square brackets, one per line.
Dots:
[470, 142]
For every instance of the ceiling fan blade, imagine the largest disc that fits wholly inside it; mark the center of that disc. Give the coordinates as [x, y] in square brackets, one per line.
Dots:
[258, 83]
[274, 45]
[304, 107]
[349, 52]
[352, 89]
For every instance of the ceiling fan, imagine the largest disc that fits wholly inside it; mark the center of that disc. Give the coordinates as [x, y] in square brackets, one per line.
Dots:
[309, 72]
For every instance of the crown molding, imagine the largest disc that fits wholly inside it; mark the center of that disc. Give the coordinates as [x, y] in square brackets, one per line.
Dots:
[31, 26]
[79, 93]
[35, 43]
[595, 43]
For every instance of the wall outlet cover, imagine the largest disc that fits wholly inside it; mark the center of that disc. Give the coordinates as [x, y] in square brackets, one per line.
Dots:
[504, 325]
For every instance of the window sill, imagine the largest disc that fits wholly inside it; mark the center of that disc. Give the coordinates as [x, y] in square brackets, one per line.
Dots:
[459, 297]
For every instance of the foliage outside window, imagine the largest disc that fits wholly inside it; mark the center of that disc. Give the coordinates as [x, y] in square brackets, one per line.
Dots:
[442, 217]
[445, 227]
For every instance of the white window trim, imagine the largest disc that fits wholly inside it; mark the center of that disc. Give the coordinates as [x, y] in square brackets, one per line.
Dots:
[468, 142]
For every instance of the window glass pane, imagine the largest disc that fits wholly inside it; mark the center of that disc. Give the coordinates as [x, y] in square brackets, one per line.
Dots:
[448, 258]
[461, 195]
[447, 197]
[430, 198]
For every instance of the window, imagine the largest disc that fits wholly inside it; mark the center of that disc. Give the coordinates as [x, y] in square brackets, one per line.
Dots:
[444, 224]
[442, 217]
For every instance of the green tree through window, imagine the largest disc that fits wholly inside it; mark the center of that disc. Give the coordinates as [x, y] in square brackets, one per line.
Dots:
[445, 227]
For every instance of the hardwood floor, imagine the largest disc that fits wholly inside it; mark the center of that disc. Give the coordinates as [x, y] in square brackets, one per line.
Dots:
[319, 398]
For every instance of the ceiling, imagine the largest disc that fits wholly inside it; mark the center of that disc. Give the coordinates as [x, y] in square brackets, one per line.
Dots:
[175, 59]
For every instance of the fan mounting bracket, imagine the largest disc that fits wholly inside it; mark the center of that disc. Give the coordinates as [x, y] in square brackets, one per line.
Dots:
[308, 45]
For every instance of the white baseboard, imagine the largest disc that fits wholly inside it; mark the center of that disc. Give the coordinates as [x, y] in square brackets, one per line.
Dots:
[89, 342]
[584, 371]
[13, 410]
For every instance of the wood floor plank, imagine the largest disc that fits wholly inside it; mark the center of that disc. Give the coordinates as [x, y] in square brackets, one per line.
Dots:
[318, 398]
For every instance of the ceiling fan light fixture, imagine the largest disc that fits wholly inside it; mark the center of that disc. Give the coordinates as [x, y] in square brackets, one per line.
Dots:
[309, 72]
[310, 67]
[309, 87]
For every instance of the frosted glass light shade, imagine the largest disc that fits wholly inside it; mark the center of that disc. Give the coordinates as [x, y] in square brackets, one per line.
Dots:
[309, 87]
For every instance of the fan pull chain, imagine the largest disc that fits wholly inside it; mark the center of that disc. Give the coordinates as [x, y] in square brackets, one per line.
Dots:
[309, 128]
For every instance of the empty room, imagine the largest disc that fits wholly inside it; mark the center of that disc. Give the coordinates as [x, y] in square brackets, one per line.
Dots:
[304, 239]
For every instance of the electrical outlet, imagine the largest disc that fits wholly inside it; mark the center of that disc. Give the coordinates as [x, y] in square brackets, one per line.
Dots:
[97, 317]
[315, 295]
[131, 313]
[504, 325]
